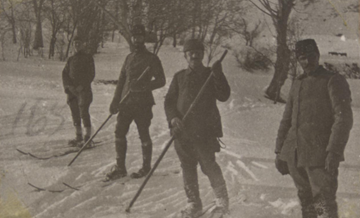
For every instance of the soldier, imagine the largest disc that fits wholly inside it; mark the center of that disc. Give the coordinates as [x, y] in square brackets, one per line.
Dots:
[196, 140]
[313, 133]
[138, 107]
[77, 76]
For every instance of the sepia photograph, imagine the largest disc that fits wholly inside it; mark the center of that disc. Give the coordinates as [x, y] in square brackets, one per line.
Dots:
[179, 109]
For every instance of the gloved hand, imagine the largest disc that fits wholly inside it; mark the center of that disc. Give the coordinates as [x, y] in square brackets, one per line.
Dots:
[177, 126]
[114, 108]
[79, 89]
[281, 165]
[332, 162]
[217, 68]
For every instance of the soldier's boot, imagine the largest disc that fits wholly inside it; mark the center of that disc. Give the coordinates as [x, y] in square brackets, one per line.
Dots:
[309, 211]
[193, 207]
[87, 137]
[221, 201]
[119, 170]
[326, 209]
[78, 138]
[146, 167]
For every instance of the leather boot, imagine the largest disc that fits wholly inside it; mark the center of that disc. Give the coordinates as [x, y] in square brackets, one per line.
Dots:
[309, 211]
[88, 136]
[78, 138]
[194, 205]
[222, 199]
[326, 209]
[119, 170]
[146, 167]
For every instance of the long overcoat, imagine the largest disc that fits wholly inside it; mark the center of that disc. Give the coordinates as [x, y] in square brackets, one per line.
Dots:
[317, 119]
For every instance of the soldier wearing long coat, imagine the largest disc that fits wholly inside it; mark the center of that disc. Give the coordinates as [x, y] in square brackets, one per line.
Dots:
[313, 133]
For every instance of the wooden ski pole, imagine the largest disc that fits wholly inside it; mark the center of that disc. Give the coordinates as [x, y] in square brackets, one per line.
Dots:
[168, 144]
[107, 119]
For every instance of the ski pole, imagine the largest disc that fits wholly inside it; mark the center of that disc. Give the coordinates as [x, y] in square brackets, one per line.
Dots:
[107, 119]
[168, 144]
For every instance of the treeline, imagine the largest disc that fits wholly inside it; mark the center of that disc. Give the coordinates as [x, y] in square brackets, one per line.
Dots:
[29, 22]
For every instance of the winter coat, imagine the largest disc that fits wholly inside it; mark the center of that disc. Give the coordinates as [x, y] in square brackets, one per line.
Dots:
[134, 65]
[204, 121]
[317, 119]
[79, 71]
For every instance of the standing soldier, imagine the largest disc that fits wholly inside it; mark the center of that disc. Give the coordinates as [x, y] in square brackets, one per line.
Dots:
[138, 105]
[196, 139]
[313, 133]
[77, 76]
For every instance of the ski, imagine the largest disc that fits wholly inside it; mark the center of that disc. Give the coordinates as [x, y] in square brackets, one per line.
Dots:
[68, 150]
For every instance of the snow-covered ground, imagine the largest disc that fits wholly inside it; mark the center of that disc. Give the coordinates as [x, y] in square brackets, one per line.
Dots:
[35, 118]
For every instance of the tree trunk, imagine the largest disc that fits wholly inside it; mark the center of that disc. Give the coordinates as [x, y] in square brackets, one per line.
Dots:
[52, 46]
[174, 40]
[13, 25]
[282, 51]
[38, 39]
[70, 41]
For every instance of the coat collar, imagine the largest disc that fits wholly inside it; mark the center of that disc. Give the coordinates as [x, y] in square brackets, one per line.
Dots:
[315, 73]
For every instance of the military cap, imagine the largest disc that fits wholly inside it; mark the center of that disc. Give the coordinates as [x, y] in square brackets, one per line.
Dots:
[306, 46]
[138, 29]
[193, 44]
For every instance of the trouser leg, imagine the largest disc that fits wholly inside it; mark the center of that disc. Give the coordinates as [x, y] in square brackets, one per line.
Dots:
[121, 148]
[324, 187]
[73, 103]
[188, 161]
[85, 99]
[212, 170]
[142, 119]
[302, 183]
[122, 127]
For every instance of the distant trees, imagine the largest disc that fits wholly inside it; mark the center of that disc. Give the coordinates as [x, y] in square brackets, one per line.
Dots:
[211, 21]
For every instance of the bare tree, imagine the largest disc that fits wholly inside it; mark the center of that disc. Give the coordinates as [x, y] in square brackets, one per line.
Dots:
[38, 39]
[280, 15]
[212, 20]
[9, 13]
[54, 11]
[165, 19]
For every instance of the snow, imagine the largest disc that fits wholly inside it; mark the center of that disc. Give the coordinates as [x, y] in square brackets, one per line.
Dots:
[31, 90]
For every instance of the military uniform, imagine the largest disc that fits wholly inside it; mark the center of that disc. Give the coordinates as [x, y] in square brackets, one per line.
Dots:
[77, 76]
[198, 142]
[138, 106]
[316, 121]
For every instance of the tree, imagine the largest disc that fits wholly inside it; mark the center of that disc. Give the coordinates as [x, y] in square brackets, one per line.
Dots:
[279, 14]
[212, 21]
[9, 13]
[54, 11]
[38, 39]
[164, 19]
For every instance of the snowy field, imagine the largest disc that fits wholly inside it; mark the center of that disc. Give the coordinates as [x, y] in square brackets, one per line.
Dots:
[35, 119]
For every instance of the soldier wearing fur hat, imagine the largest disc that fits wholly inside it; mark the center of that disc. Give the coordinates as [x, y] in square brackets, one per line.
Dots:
[77, 76]
[138, 106]
[313, 133]
[196, 140]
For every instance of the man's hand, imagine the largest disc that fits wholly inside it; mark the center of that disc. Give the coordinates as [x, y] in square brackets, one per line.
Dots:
[114, 108]
[281, 165]
[217, 68]
[177, 126]
[332, 162]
